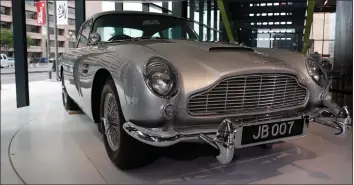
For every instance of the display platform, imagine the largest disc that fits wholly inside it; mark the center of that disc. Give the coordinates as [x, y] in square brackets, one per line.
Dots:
[44, 144]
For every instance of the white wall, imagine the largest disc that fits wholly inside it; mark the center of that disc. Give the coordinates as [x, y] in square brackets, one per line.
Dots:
[93, 7]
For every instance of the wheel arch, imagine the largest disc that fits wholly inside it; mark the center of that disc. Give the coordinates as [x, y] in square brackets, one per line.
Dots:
[97, 86]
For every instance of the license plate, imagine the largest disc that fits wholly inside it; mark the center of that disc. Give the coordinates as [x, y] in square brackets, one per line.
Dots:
[270, 131]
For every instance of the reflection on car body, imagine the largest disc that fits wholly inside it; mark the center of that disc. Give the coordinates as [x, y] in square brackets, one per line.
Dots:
[147, 81]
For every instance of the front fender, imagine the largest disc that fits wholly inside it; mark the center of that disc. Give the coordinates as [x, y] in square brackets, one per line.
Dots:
[138, 103]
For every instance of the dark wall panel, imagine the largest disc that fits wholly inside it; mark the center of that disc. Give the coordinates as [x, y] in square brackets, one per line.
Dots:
[343, 47]
[80, 8]
[343, 52]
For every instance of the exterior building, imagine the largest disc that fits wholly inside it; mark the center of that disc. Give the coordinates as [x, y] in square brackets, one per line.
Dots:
[34, 31]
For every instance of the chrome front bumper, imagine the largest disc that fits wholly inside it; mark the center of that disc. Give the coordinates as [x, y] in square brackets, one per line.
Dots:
[228, 135]
[226, 138]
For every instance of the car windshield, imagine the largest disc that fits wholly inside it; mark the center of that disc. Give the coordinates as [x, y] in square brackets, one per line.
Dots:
[118, 27]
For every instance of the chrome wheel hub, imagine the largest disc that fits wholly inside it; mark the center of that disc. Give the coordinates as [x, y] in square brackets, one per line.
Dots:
[111, 121]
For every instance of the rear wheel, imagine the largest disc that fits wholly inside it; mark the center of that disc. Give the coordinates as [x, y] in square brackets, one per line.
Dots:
[125, 151]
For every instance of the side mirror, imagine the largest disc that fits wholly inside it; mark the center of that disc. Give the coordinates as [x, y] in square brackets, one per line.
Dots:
[94, 38]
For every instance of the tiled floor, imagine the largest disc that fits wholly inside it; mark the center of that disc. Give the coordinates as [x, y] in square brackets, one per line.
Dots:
[46, 145]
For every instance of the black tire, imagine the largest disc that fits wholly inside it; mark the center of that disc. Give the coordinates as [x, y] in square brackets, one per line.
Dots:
[130, 153]
[68, 102]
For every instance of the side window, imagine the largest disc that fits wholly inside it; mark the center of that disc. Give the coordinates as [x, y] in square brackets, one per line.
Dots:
[82, 42]
[86, 29]
[84, 34]
[157, 35]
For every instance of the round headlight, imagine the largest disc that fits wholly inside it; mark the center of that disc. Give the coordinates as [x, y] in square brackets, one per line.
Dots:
[161, 77]
[317, 73]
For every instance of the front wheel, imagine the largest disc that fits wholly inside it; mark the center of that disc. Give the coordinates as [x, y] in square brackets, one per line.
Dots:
[125, 151]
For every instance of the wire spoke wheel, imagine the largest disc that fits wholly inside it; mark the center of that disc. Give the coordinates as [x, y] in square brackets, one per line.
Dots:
[111, 124]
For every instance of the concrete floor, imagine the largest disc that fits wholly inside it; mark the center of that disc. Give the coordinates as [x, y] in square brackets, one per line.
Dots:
[43, 144]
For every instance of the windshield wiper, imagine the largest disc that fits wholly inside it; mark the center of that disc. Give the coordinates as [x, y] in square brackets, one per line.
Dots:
[148, 38]
[137, 39]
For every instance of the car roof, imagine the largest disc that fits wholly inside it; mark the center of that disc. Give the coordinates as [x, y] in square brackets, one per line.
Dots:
[131, 12]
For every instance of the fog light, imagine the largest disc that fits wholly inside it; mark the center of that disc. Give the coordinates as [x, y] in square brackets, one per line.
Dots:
[326, 96]
[169, 111]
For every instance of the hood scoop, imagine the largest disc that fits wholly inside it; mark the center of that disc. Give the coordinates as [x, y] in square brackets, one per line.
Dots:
[230, 49]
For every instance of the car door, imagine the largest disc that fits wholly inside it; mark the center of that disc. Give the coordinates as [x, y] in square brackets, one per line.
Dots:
[71, 65]
[81, 67]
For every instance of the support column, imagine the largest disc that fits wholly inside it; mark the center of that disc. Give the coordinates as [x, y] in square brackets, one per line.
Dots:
[118, 6]
[145, 7]
[179, 9]
[309, 19]
[191, 11]
[79, 14]
[20, 52]
[201, 19]
[343, 47]
[225, 20]
[208, 19]
[165, 10]
[343, 54]
[165, 7]
[215, 20]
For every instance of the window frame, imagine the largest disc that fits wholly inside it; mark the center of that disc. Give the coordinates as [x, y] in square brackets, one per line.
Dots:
[87, 23]
[193, 31]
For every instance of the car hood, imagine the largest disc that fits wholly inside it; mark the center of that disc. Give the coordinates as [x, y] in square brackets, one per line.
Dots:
[201, 64]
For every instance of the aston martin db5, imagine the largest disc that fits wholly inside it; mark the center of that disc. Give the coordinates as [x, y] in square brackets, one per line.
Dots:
[149, 81]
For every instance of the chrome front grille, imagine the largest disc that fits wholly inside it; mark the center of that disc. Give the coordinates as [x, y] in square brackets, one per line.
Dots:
[249, 93]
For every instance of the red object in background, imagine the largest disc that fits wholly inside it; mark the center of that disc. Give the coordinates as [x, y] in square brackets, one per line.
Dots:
[41, 13]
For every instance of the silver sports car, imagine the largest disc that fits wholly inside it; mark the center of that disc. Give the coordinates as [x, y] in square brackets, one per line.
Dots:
[148, 81]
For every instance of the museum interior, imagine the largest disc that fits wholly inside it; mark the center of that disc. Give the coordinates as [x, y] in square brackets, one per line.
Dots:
[176, 91]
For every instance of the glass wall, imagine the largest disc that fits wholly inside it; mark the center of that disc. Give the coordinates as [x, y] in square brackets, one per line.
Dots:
[323, 33]
[276, 38]
[206, 27]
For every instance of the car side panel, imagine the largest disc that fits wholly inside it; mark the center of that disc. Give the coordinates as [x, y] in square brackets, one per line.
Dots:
[93, 61]
[124, 65]
[69, 61]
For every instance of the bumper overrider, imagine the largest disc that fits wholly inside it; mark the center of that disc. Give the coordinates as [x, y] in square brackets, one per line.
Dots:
[229, 135]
